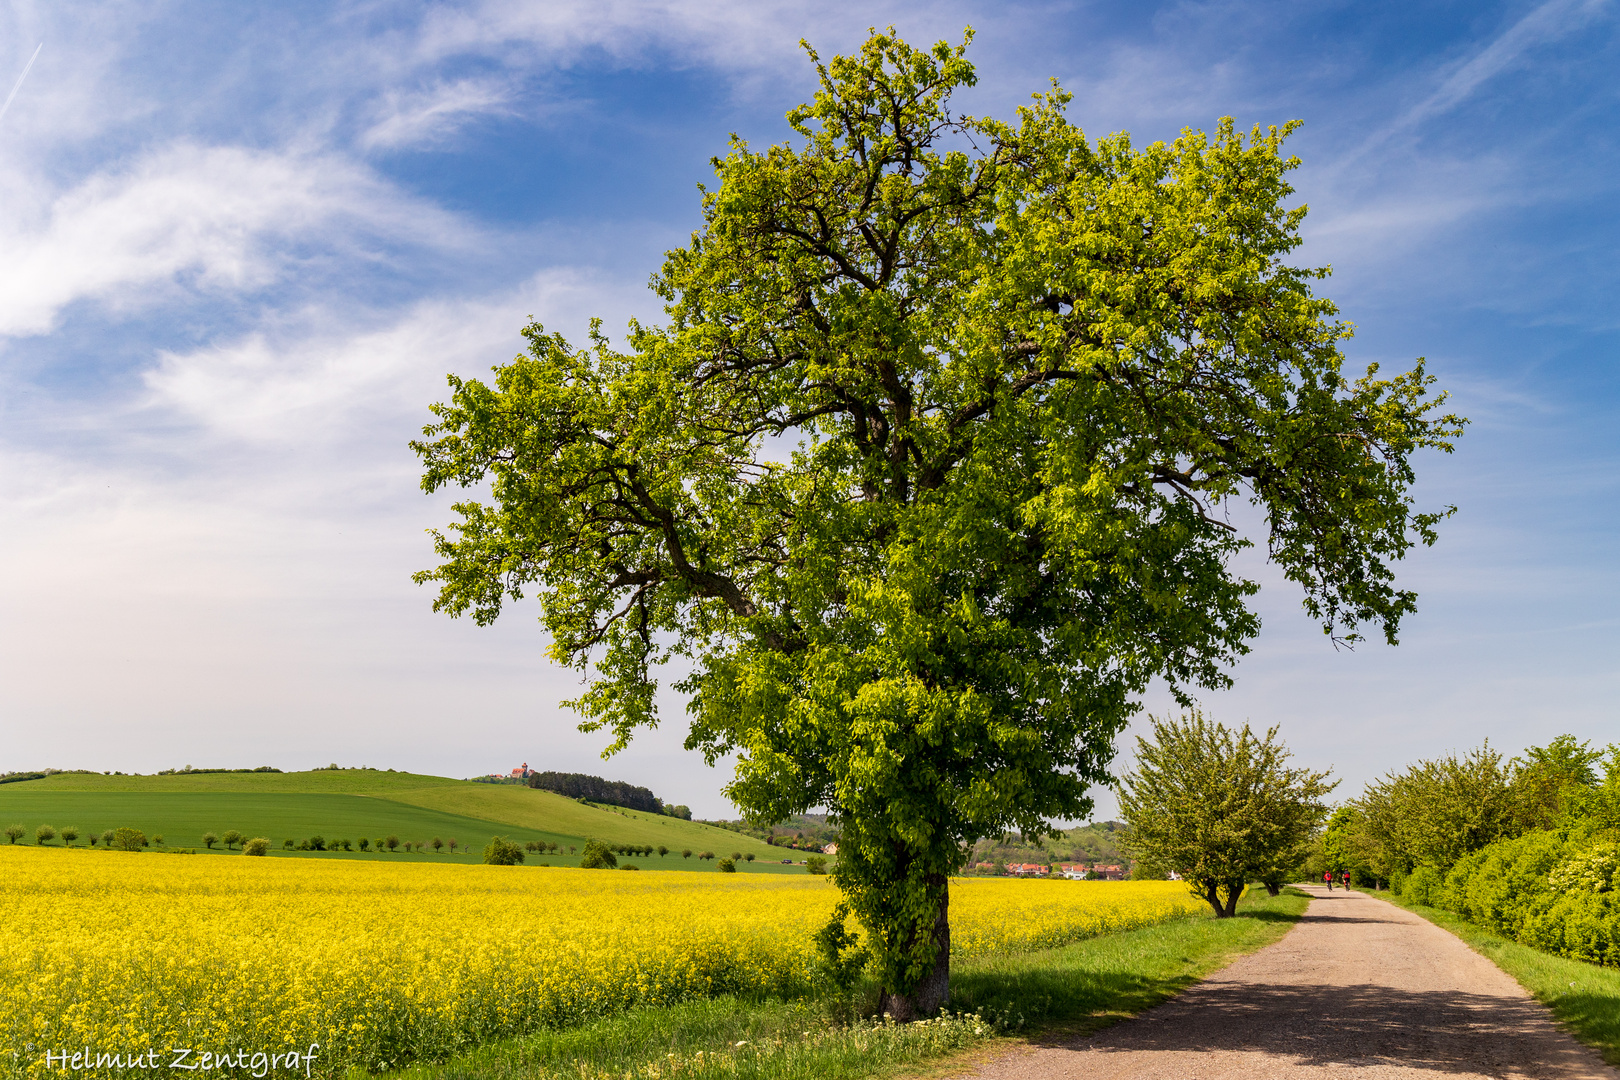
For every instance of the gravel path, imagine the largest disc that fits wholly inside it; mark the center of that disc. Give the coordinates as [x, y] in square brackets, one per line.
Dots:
[1358, 988]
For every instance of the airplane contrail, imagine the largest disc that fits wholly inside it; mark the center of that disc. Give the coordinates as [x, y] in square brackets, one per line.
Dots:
[26, 69]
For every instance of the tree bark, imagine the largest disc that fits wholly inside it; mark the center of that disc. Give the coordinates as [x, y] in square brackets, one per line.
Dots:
[1212, 895]
[929, 995]
[1233, 891]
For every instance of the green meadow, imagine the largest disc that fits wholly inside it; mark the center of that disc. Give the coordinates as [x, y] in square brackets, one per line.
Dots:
[354, 803]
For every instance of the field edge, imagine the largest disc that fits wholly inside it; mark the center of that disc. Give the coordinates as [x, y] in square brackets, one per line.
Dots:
[1175, 954]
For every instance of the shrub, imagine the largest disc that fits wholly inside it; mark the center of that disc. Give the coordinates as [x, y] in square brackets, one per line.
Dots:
[629, 866]
[365, 844]
[379, 843]
[209, 840]
[597, 857]
[127, 839]
[392, 842]
[287, 844]
[1423, 886]
[815, 864]
[839, 958]
[726, 866]
[317, 843]
[1590, 871]
[705, 854]
[157, 838]
[1582, 925]
[662, 851]
[108, 837]
[257, 846]
[1497, 885]
[94, 839]
[231, 838]
[749, 856]
[15, 833]
[451, 844]
[502, 852]
[43, 834]
[70, 834]
[437, 843]
[686, 853]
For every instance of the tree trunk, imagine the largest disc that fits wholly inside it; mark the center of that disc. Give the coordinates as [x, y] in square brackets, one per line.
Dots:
[929, 995]
[1273, 889]
[1233, 891]
[1224, 909]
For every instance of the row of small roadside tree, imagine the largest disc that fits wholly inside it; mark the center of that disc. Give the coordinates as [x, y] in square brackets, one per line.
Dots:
[1527, 846]
[122, 839]
[1434, 813]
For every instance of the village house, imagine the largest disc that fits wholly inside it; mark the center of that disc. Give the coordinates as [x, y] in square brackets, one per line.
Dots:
[1079, 872]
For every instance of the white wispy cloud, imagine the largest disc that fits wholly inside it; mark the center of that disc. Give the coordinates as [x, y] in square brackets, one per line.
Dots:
[1513, 47]
[425, 116]
[315, 378]
[195, 218]
[1550, 22]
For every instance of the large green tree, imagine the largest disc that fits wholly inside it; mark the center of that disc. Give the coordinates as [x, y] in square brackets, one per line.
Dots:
[922, 478]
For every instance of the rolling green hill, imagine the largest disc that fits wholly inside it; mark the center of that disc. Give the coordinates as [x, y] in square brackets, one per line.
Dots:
[351, 803]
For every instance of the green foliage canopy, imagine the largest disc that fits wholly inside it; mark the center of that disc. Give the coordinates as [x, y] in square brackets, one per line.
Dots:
[1548, 777]
[597, 856]
[1435, 812]
[922, 478]
[1220, 807]
[502, 852]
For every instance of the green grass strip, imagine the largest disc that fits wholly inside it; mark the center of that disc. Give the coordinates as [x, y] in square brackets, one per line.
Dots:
[1584, 997]
[996, 1000]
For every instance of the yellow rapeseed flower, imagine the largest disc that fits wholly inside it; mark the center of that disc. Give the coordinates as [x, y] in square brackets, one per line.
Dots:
[125, 953]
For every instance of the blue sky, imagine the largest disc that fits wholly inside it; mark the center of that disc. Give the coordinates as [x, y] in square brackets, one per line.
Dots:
[244, 246]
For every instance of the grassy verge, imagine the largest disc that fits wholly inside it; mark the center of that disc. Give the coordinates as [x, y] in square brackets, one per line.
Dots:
[1075, 989]
[1092, 984]
[1583, 997]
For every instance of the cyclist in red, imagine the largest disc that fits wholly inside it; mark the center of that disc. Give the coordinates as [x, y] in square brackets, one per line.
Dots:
[1344, 880]
[1328, 877]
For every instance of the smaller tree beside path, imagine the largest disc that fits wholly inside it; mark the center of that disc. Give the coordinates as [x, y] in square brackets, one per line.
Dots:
[1220, 806]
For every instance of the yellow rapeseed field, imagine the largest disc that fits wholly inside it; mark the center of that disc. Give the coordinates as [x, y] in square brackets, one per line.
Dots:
[145, 955]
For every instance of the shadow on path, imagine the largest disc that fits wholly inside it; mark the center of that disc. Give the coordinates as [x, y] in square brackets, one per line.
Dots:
[1357, 986]
[1441, 1031]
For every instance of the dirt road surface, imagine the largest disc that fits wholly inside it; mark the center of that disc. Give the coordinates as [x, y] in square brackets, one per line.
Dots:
[1357, 989]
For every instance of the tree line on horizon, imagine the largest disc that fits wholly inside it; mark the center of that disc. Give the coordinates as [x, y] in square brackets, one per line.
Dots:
[613, 792]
